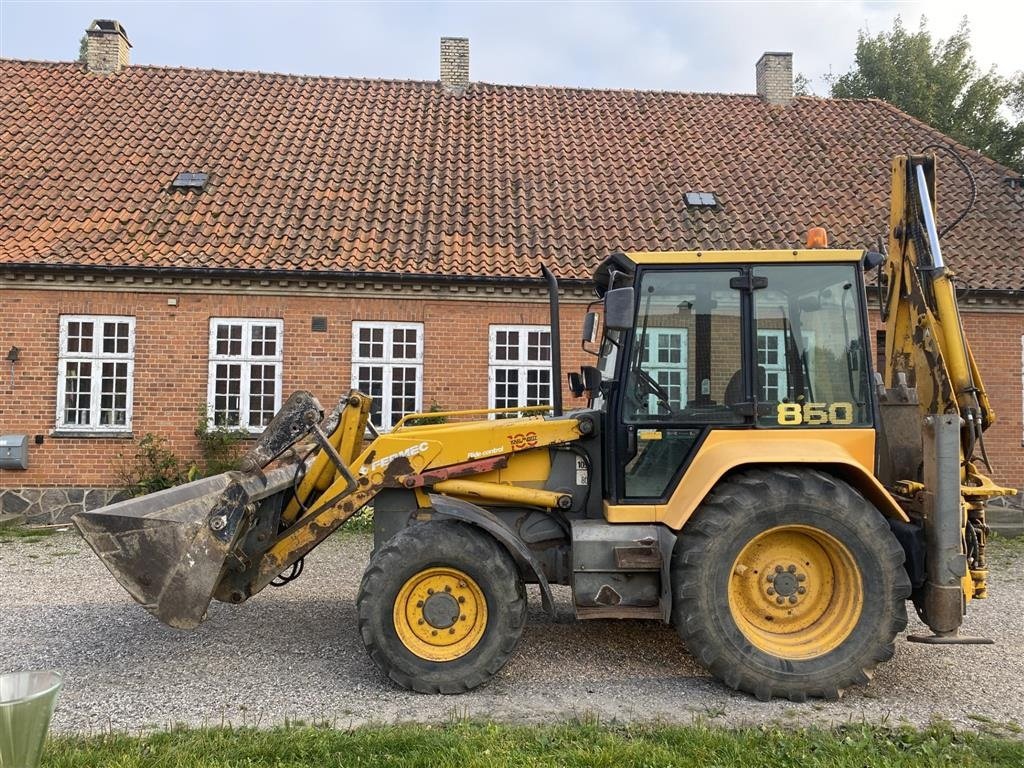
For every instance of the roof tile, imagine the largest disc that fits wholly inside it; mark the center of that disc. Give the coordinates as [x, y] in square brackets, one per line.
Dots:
[383, 176]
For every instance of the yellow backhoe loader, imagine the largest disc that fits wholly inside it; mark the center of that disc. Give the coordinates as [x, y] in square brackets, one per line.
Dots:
[739, 471]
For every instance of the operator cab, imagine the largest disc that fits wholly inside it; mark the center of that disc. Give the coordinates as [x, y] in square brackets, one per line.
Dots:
[699, 341]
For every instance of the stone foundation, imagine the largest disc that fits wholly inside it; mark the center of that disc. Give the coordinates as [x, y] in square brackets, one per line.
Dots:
[52, 506]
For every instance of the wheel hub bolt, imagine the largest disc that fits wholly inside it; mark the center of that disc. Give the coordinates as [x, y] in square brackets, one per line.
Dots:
[419, 603]
[771, 591]
[451, 631]
[780, 599]
[778, 569]
[792, 599]
[462, 599]
[770, 578]
[791, 569]
[801, 590]
[801, 577]
[447, 588]
[433, 631]
[430, 591]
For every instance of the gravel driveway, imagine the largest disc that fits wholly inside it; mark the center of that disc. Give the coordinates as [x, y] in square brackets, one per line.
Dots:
[294, 653]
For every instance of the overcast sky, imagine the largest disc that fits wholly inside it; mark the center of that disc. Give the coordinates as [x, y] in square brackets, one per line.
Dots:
[700, 46]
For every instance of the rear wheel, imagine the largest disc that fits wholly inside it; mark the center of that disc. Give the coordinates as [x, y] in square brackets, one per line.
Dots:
[441, 607]
[788, 582]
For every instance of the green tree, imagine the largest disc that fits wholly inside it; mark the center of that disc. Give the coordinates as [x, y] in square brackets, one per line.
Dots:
[939, 83]
[83, 48]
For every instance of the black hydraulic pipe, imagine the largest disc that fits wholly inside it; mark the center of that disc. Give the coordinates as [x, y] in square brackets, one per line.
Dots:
[556, 342]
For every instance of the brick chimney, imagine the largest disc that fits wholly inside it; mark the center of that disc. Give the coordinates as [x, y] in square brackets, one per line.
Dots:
[775, 77]
[455, 62]
[106, 47]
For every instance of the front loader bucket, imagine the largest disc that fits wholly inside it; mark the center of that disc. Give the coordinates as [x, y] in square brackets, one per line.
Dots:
[169, 548]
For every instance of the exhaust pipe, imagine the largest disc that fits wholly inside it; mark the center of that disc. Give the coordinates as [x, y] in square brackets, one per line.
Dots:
[556, 342]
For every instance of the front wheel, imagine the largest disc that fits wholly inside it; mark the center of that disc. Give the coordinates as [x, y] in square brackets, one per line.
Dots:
[789, 583]
[441, 607]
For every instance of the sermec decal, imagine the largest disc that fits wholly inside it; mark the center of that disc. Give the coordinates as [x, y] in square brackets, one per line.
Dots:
[412, 450]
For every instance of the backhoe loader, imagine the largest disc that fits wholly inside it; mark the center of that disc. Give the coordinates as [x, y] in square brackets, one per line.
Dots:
[739, 471]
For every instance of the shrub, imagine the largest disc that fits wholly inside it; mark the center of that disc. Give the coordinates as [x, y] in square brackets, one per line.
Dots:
[154, 467]
[219, 446]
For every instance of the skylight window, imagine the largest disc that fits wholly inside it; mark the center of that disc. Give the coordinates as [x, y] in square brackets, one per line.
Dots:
[701, 199]
[190, 180]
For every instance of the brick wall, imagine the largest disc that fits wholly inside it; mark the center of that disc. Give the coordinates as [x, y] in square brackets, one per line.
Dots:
[996, 339]
[171, 362]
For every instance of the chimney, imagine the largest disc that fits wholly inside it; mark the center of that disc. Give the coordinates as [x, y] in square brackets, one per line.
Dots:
[106, 47]
[775, 77]
[455, 62]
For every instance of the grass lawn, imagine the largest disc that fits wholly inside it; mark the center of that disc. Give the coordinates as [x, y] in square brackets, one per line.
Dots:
[468, 744]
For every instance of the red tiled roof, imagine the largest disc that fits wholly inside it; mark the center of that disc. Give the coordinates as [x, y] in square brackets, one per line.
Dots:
[310, 173]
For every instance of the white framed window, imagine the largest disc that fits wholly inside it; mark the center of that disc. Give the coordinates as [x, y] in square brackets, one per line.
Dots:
[244, 381]
[771, 357]
[665, 357]
[96, 372]
[519, 366]
[387, 364]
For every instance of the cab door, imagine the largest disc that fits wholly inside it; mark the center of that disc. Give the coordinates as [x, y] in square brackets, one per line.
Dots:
[682, 376]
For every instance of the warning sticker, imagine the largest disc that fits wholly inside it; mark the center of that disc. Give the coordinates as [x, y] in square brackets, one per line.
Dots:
[582, 476]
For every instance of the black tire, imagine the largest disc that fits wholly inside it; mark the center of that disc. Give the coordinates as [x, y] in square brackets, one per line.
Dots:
[433, 545]
[759, 503]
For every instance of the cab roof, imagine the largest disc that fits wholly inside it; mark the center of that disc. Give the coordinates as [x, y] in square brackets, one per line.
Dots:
[744, 257]
[626, 263]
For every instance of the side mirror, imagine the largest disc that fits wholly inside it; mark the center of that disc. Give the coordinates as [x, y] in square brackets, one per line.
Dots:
[619, 309]
[590, 328]
[576, 384]
[591, 379]
[872, 260]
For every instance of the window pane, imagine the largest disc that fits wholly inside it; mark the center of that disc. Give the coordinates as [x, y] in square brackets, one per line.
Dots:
[403, 392]
[506, 387]
[371, 342]
[686, 367]
[113, 394]
[404, 343]
[538, 346]
[370, 381]
[77, 393]
[229, 339]
[115, 338]
[506, 345]
[538, 386]
[810, 346]
[262, 390]
[227, 401]
[80, 337]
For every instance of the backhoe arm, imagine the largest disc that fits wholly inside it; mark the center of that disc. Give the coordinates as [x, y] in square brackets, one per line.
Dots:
[929, 361]
[925, 339]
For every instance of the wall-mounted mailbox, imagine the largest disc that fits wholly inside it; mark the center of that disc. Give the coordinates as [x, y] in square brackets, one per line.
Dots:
[13, 451]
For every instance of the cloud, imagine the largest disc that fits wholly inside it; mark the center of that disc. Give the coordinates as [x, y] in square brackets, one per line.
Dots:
[674, 46]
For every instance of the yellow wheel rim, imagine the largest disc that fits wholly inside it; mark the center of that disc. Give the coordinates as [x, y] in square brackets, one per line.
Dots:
[440, 614]
[796, 592]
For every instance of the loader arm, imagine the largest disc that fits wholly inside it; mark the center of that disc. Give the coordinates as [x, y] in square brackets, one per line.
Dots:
[928, 359]
[231, 535]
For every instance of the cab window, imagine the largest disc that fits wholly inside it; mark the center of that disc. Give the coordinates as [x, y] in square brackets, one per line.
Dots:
[686, 361]
[811, 367]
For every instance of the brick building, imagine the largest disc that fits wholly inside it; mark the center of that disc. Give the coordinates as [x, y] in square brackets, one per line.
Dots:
[174, 240]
